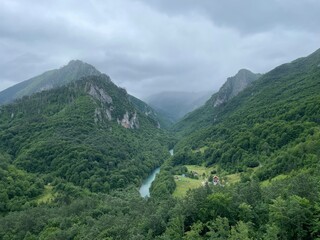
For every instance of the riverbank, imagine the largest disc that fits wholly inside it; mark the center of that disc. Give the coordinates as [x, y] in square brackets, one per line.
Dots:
[146, 184]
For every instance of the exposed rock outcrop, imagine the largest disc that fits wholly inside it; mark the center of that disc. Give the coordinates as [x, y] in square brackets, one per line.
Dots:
[129, 122]
[234, 85]
[99, 94]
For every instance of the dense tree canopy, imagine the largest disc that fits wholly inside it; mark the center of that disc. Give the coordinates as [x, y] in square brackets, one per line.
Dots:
[70, 171]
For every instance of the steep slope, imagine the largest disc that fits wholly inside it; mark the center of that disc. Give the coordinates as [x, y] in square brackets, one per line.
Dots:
[87, 133]
[161, 119]
[174, 105]
[234, 85]
[74, 70]
[263, 144]
[203, 116]
[274, 122]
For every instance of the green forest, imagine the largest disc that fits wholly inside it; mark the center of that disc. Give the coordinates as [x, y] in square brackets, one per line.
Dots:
[72, 160]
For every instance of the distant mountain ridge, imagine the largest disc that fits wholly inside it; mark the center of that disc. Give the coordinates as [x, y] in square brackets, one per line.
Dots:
[74, 70]
[174, 105]
[204, 115]
[162, 120]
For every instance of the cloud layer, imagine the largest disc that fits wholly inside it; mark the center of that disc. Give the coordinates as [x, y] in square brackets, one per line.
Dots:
[155, 45]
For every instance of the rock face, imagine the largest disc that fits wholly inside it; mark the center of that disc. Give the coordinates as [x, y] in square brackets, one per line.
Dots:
[160, 120]
[99, 94]
[129, 122]
[112, 104]
[209, 112]
[234, 85]
[106, 106]
[74, 70]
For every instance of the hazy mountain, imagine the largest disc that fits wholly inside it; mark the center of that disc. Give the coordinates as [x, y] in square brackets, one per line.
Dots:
[74, 70]
[174, 105]
[234, 85]
[162, 120]
[231, 88]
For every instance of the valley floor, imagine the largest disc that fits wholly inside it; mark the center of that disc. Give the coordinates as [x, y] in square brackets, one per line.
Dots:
[185, 183]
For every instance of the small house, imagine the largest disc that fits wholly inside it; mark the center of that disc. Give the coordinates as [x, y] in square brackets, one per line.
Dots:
[216, 180]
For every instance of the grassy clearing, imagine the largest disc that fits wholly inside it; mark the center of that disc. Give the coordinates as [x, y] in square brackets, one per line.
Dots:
[201, 169]
[183, 184]
[47, 195]
[231, 178]
[266, 183]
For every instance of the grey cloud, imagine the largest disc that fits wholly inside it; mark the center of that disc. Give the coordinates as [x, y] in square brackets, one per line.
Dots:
[151, 45]
[250, 15]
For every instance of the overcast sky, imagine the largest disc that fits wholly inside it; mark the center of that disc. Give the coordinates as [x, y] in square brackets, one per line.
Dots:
[148, 46]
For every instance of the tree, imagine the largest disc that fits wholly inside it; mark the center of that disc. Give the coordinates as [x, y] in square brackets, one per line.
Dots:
[175, 230]
[245, 212]
[239, 232]
[219, 229]
[272, 232]
[292, 217]
[219, 204]
[195, 232]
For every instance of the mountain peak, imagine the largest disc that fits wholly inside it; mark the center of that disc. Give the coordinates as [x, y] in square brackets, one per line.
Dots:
[244, 70]
[75, 61]
[234, 85]
[73, 71]
[244, 73]
[76, 65]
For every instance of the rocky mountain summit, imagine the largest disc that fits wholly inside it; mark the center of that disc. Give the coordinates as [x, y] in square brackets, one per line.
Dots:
[207, 113]
[234, 85]
[73, 71]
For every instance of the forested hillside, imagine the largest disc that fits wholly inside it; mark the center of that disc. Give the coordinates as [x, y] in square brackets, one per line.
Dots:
[266, 123]
[162, 119]
[72, 159]
[266, 142]
[204, 115]
[86, 134]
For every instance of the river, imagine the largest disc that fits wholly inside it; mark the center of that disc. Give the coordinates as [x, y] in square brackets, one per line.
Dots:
[146, 184]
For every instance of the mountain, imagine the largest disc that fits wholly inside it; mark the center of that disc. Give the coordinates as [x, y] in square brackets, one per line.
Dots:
[86, 133]
[161, 119]
[234, 85]
[174, 105]
[263, 147]
[204, 115]
[70, 165]
[74, 70]
[269, 122]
